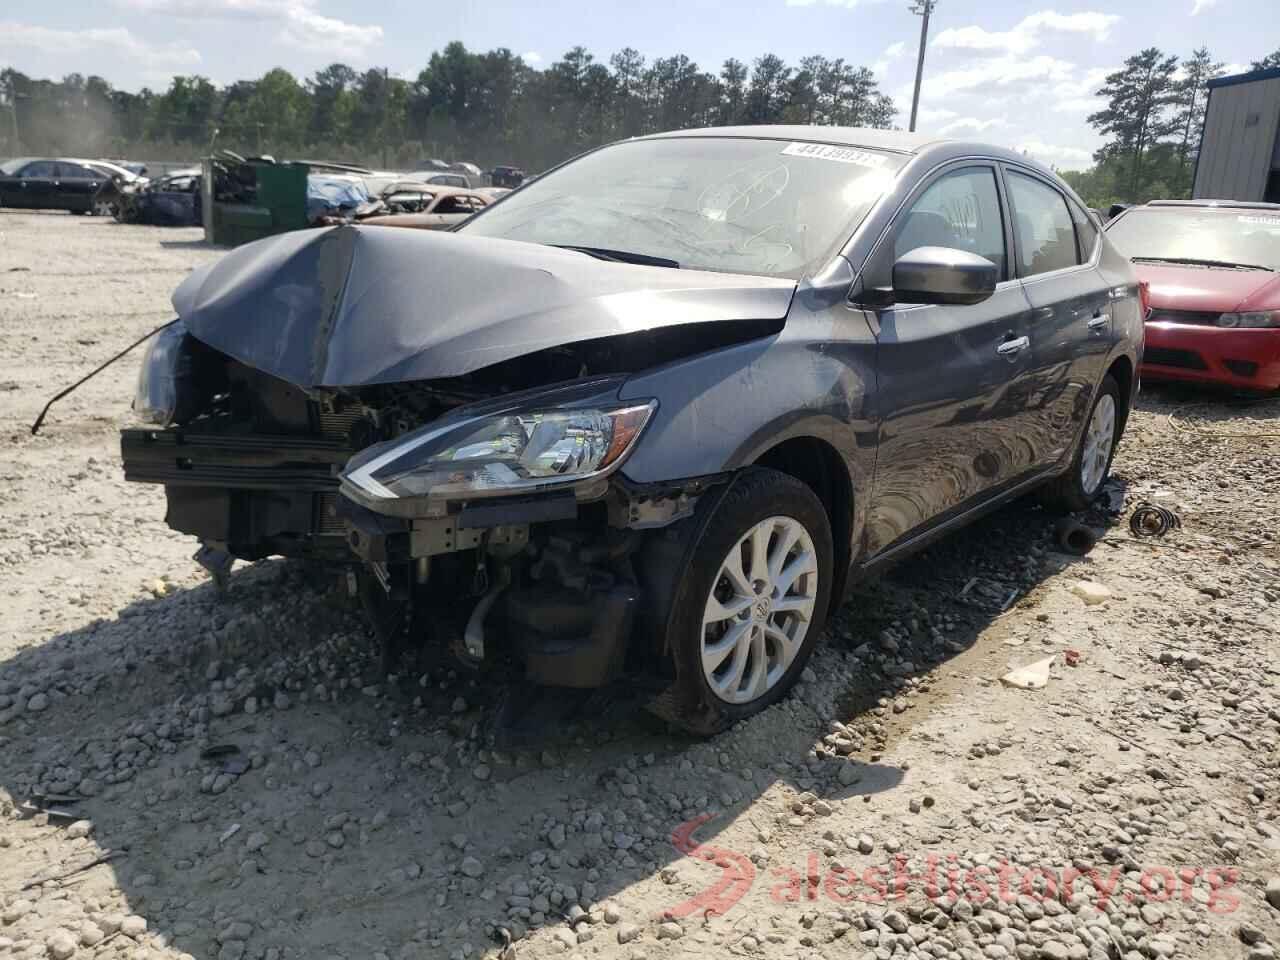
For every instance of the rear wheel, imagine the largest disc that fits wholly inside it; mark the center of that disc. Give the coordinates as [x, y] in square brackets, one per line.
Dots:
[1077, 489]
[751, 603]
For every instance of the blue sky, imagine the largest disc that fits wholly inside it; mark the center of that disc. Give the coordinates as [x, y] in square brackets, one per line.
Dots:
[1015, 72]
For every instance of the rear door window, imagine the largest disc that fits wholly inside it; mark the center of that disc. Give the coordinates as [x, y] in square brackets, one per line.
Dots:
[1044, 231]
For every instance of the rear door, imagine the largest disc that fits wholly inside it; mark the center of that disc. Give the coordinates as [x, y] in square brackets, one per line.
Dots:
[1056, 250]
[950, 378]
[75, 186]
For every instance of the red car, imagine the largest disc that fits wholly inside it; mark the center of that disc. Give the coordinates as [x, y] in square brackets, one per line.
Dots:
[1213, 270]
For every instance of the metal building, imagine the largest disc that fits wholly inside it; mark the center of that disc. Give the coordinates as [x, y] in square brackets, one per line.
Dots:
[1240, 145]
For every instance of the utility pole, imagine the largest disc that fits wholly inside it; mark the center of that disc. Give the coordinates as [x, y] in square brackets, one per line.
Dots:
[921, 8]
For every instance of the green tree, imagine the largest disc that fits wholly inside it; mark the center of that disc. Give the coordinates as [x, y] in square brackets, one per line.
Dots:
[1270, 62]
[186, 112]
[1137, 100]
[1191, 100]
[733, 92]
[766, 95]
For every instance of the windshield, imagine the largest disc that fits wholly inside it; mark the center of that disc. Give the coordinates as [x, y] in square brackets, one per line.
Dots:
[10, 167]
[1189, 233]
[732, 205]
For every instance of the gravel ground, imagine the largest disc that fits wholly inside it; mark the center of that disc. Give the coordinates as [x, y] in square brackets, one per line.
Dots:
[187, 774]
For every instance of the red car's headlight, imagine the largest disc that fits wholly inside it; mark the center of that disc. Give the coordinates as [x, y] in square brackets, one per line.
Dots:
[1261, 318]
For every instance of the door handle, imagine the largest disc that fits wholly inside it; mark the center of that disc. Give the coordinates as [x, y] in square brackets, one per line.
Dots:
[1011, 348]
[1099, 321]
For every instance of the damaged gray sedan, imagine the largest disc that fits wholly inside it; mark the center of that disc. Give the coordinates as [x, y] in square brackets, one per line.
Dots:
[647, 417]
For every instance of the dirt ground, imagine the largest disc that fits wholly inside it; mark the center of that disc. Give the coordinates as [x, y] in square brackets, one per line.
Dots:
[903, 803]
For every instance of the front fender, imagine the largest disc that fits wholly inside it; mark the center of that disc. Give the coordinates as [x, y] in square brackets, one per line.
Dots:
[723, 410]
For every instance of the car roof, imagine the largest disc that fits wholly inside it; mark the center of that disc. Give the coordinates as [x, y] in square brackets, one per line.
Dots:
[893, 141]
[1225, 204]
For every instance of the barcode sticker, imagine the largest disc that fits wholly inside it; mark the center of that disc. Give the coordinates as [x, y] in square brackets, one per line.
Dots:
[1261, 221]
[825, 151]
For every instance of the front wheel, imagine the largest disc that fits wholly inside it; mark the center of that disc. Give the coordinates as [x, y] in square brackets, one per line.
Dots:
[751, 603]
[1079, 487]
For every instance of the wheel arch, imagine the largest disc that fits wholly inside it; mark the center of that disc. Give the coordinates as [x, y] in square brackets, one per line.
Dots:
[819, 466]
[1121, 370]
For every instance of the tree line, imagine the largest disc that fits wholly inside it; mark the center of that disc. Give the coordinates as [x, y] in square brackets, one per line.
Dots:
[1153, 119]
[487, 108]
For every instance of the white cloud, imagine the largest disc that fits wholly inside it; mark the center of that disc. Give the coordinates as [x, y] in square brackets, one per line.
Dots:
[936, 115]
[1200, 6]
[891, 53]
[848, 4]
[1028, 33]
[971, 123]
[1065, 158]
[1080, 94]
[531, 57]
[301, 25]
[112, 43]
[999, 72]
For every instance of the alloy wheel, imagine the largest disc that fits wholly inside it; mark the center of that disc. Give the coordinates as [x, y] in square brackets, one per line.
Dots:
[1099, 438]
[759, 610]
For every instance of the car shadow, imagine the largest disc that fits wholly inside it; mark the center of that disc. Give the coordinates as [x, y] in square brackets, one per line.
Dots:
[200, 244]
[257, 780]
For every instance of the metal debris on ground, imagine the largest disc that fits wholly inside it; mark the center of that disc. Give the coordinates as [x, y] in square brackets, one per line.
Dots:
[1153, 520]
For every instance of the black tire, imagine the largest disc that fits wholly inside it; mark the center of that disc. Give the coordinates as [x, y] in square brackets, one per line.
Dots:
[756, 495]
[1067, 492]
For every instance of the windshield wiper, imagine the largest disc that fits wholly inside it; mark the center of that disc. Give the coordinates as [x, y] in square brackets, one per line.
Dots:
[1191, 261]
[620, 256]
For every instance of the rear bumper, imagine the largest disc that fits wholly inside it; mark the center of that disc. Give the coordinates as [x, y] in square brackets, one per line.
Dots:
[1247, 359]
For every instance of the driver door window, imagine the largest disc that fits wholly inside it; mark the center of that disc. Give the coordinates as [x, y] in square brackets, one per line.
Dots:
[960, 210]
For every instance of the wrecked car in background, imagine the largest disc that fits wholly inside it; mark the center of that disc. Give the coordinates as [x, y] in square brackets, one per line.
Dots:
[172, 200]
[649, 416]
[445, 207]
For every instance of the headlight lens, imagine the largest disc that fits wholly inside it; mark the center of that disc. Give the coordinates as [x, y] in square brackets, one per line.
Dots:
[504, 452]
[165, 362]
[1264, 318]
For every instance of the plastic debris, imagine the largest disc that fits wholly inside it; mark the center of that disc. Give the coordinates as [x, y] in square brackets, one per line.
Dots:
[1034, 676]
[1091, 593]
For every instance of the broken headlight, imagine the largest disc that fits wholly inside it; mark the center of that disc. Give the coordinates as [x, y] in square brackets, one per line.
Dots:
[165, 363]
[511, 451]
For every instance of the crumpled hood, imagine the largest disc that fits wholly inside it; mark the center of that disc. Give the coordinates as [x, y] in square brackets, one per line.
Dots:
[349, 306]
[1178, 287]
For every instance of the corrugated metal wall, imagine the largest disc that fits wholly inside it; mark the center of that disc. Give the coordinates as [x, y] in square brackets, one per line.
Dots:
[1240, 141]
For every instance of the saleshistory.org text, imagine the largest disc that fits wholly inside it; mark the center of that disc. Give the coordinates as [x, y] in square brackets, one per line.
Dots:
[942, 879]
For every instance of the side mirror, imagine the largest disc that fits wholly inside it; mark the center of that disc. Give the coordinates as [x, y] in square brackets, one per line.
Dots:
[943, 275]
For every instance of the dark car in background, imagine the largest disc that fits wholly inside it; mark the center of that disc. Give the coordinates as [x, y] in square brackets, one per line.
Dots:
[172, 200]
[1213, 268]
[504, 176]
[60, 184]
[650, 415]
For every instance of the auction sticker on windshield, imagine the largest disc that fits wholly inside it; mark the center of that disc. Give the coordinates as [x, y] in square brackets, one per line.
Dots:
[1261, 221]
[825, 151]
